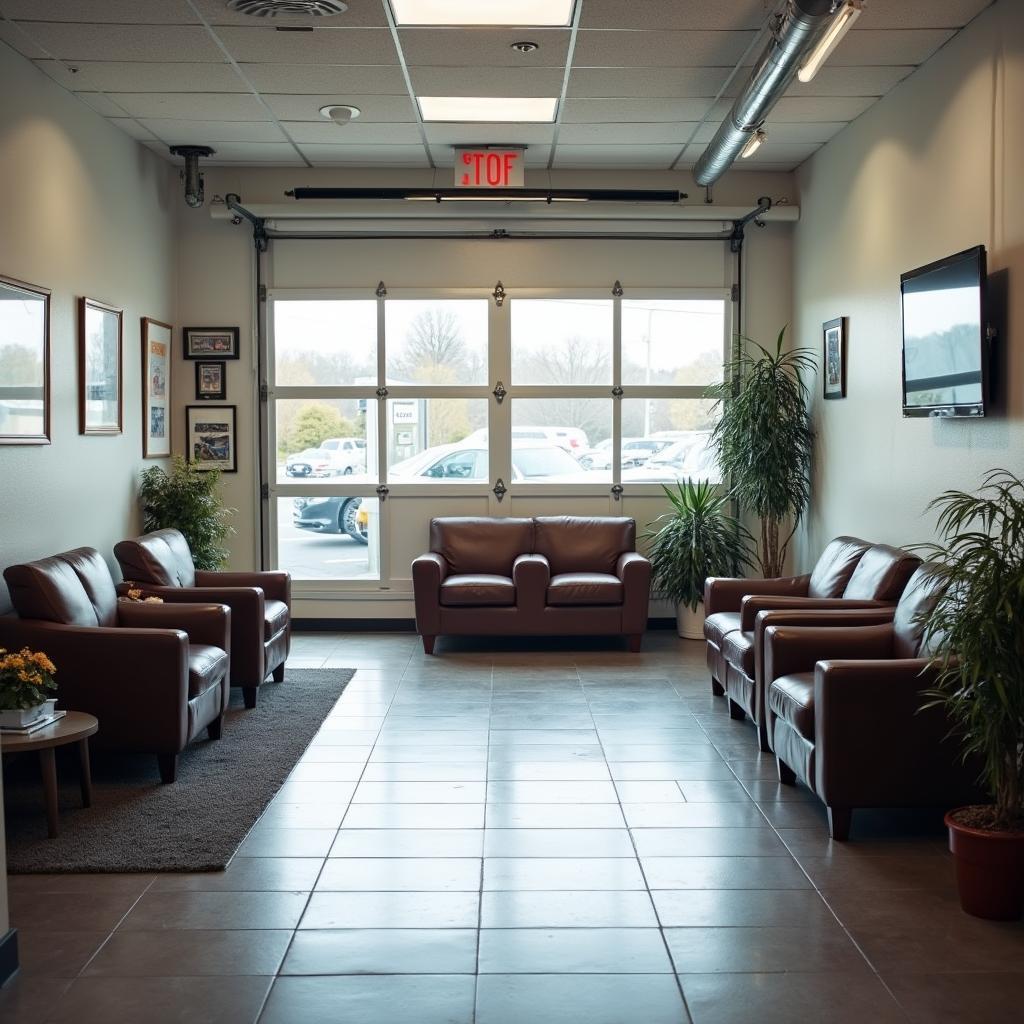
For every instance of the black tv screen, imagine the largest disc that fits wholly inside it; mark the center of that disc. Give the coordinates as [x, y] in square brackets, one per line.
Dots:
[944, 339]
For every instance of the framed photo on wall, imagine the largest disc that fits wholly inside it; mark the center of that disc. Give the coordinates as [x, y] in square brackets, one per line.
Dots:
[833, 339]
[210, 437]
[100, 365]
[210, 342]
[211, 381]
[156, 389]
[24, 363]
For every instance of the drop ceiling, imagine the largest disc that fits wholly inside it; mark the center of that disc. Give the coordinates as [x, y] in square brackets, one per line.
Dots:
[642, 84]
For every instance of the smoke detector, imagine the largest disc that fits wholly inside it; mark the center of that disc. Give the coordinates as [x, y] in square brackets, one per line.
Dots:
[288, 8]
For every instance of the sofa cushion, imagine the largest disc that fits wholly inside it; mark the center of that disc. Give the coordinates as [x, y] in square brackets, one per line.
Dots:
[588, 544]
[472, 545]
[738, 651]
[162, 558]
[574, 588]
[881, 574]
[206, 667]
[275, 617]
[478, 589]
[791, 698]
[835, 567]
[918, 601]
[717, 626]
[74, 588]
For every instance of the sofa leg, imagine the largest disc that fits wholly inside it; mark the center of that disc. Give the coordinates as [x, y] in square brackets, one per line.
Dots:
[216, 727]
[279, 673]
[168, 767]
[762, 738]
[717, 688]
[635, 640]
[839, 821]
[428, 644]
[736, 713]
[249, 696]
[786, 774]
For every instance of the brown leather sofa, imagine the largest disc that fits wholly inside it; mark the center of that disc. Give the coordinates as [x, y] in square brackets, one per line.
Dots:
[546, 575]
[155, 675]
[877, 581]
[160, 563]
[844, 713]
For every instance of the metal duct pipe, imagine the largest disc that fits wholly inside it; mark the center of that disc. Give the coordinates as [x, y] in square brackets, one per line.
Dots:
[795, 31]
[194, 194]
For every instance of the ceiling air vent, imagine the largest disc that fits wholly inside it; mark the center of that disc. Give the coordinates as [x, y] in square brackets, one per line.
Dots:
[288, 8]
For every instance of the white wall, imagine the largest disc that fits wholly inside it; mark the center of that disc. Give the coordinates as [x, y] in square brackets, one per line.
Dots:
[934, 168]
[84, 210]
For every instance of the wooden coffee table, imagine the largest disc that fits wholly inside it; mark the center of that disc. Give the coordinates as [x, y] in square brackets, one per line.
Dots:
[74, 727]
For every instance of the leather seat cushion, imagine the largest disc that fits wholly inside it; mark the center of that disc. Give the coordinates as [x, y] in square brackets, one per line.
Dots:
[275, 617]
[792, 699]
[738, 651]
[576, 588]
[478, 589]
[207, 666]
[719, 625]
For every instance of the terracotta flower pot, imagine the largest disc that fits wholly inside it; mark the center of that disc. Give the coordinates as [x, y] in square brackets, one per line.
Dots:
[989, 870]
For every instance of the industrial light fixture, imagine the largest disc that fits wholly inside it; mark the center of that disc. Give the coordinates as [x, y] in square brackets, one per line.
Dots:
[340, 113]
[842, 22]
[492, 195]
[754, 143]
[555, 13]
[534, 109]
[288, 8]
[194, 193]
[524, 46]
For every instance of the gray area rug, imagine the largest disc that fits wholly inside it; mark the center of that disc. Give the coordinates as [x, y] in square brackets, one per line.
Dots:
[196, 824]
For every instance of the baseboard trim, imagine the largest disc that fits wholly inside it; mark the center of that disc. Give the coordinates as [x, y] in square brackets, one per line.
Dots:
[8, 956]
[401, 625]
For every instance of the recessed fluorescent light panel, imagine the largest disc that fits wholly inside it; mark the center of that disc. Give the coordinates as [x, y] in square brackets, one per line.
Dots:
[483, 12]
[488, 108]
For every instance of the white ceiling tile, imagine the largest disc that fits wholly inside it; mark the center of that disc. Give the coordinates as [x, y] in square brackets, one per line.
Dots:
[210, 133]
[611, 133]
[328, 133]
[102, 104]
[911, 46]
[114, 12]
[483, 47]
[125, 42]
[600, 111]
[490, 134]
[484, 81]
[665, 15]
[144, 76]
[19, 42]
[535, 157]
[796, 132]
[659, 49]
[781, 153]
[242, 153]
[921, 14]
[615, 156]
[193, 106]
[365, 156]
[641, 83]
[132, 127]
[333, 79]
[322, 46]
[820, 108]
[833, 81]
[373, 108]
[360, 14]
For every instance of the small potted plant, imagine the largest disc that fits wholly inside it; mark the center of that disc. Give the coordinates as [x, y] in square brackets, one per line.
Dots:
[696, 539]
[26, 681]
[977, 629]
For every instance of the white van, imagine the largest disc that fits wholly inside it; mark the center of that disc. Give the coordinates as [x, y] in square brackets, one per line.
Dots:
[347, 454]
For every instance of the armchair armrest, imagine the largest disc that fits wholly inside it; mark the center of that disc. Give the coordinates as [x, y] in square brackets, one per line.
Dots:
[203, 623]
[753, 604]
[531, 575]
[276, 585]
[635, 572]
[428, 573]
[789, 649]
[725, 594]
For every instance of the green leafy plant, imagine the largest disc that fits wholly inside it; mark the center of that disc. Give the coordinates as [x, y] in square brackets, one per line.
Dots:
[696, 539]
[977, 629]
[763, 440]
[26, 679]
[188, 500]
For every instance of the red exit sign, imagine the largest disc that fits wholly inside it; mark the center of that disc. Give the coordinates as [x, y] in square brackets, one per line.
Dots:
[488, 167]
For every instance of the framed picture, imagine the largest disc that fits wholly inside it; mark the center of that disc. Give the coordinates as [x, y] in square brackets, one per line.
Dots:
[211, 382]
[24, 363]
[100, 393]
[210, 437]
[156, 389]
[833, 335]
[210, 342]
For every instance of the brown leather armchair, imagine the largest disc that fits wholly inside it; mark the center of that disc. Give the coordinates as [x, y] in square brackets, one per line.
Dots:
[877, 581]
[549, 575]
[845, 713]
[154, 675]
[160, 563]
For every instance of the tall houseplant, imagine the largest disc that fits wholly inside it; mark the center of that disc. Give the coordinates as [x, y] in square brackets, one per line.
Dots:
[763, 440]
[696, 539]
[189, 500]
[977, 628]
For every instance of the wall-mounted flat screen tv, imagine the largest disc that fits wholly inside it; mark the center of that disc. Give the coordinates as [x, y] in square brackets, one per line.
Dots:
[945, 350]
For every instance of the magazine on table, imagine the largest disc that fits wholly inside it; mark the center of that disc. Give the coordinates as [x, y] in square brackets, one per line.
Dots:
[27, 730]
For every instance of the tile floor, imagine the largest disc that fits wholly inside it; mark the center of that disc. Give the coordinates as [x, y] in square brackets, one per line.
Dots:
[552, 836]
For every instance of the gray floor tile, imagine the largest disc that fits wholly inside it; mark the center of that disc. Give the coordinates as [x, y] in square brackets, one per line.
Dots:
[215, 910]
[461, 816]
[723, 873]
[248, 874]
[554, 816]
[557, 842]
[420, 793]
[572, 951]
[383, 951]
[408, 842]
[412, 771]
[708, 842]
[264, 841]
[728, 908]
[412, 874]
[567, 909]
[550, 792]
[392, 910]
[562, 873]
[55, 954]
[548, 771]
[727, 815]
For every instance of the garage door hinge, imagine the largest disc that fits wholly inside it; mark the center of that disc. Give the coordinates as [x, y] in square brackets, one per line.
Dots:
[381, 290]
[735, 293]
[262, 293]
[265, 492]
[264, 392]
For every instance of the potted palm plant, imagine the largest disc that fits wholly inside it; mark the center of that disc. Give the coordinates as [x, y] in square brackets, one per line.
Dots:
[977, 630]
[763, 440]
[696, 539]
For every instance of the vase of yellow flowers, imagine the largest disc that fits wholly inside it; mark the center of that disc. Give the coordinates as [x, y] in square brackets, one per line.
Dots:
[26, 682]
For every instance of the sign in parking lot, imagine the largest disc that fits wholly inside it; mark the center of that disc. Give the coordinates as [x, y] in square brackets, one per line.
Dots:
[404, 412]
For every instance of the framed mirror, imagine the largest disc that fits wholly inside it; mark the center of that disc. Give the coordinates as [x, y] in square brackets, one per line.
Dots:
[100, 390]
[24, 363]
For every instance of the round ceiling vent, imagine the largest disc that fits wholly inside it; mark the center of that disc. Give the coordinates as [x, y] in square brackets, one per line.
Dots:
[288, 8]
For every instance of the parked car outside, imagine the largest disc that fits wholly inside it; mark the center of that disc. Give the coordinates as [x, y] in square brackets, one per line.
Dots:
[330, 514]
[311, 462]
[635, 452]
[347, 454]
[571, 439]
